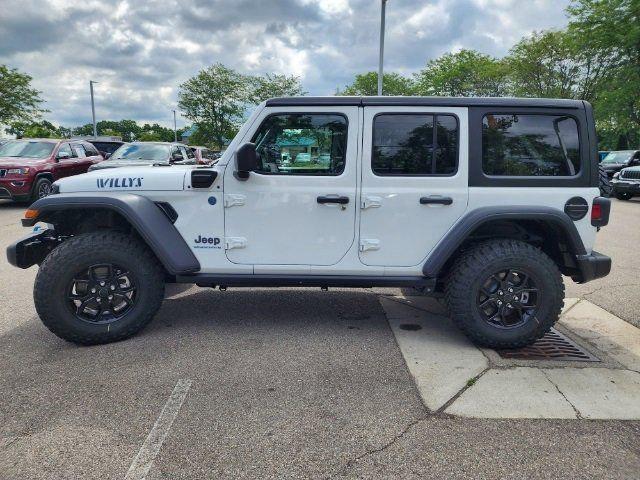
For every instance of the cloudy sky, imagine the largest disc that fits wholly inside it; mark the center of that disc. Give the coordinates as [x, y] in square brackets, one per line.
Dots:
[141, 50]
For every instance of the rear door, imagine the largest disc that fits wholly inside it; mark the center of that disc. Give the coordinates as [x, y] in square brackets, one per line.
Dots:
[299, 208]
[414, 181]
[65, 167]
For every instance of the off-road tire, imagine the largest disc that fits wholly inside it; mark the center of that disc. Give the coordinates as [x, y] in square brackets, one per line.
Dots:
[603, 182]
[35, 195]
[623, 196]
[58, 270]
[474, 265]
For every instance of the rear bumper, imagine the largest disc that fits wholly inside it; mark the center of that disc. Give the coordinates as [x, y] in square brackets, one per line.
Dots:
[31, 249]
[592, 266]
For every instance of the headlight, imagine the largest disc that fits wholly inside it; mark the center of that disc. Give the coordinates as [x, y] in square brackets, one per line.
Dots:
[17, 171]
[616, 175]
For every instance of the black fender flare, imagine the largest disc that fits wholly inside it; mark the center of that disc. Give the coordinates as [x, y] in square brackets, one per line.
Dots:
[147, 219]
[474, 219]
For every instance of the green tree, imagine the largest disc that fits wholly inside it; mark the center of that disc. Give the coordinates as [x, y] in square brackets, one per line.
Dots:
[41, 129]
[215, 101]
[19, 102]
[466, 73]
[612, 28]
[552, 65]
[268, 86]
[366, 84]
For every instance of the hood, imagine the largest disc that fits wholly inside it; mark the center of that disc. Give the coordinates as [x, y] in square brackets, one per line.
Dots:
[126, 179]
[121, 163]
[20, 161]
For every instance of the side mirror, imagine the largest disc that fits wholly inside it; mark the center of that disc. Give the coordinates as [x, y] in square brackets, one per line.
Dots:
[107, 155]
[63, 156]
[246, 161]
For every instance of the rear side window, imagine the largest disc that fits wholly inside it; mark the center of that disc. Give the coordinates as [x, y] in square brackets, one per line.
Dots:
[415, 144]
[79, 149]
[530, 145]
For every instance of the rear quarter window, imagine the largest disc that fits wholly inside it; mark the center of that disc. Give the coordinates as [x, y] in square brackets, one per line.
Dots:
[534, 145]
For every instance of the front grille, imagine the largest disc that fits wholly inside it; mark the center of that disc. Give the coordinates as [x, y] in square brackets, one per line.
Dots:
[634, 174]
[3, 172]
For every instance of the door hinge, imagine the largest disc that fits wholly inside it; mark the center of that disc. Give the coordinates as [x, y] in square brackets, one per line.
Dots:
[234, 242]
[369, 244]
[371, 202]
[231, 199]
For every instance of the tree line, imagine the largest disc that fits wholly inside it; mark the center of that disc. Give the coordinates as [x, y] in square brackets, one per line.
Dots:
[596, 58]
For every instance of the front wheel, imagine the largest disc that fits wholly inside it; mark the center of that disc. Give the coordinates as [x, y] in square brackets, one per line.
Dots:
[98, 288]
[623, 196]
[504, 293]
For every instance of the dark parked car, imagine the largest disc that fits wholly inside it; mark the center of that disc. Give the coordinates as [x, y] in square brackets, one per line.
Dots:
[148, 153]
[28, 167]
[616, 161]
[106, 145]
[626, 183]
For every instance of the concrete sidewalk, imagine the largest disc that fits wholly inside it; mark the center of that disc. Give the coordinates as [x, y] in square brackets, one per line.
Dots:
[456, 377]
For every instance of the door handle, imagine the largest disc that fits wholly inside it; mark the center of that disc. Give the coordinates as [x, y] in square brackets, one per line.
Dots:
[436, 200]
[322, 199]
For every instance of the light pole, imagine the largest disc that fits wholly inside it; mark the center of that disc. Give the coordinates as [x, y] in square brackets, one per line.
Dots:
[380, 74]
[175, 128]
[93, 109]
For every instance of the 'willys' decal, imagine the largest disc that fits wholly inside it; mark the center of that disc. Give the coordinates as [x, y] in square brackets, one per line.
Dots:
[124, 182]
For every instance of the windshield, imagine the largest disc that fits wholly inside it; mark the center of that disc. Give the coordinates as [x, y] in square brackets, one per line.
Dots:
[618, 157]
[26, 149]
[150, 152]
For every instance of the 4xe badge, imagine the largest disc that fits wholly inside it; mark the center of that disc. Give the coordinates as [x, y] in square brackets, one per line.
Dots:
[207, 242]
[124, 182]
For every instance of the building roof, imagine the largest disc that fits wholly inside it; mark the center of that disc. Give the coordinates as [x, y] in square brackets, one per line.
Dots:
[426, 101]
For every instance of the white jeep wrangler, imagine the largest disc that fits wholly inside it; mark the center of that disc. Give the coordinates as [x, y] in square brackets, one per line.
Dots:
[487, 202]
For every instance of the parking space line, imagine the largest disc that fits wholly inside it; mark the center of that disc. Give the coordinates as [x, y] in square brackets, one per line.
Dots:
[151, 446]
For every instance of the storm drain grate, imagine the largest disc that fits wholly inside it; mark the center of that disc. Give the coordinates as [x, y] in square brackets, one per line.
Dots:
[553, 346]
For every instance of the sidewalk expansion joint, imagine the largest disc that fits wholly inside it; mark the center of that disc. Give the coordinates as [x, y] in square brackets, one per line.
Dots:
[575, 409]
[470, 383]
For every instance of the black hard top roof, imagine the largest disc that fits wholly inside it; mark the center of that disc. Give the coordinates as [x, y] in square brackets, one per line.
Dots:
[426, 101]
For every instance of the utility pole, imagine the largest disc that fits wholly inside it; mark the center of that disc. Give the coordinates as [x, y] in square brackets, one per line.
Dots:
[175, 128]
[381, 61]
[93, 109]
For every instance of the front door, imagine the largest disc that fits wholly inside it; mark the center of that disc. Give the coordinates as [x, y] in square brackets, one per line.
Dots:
[414, 182]
[299, 208]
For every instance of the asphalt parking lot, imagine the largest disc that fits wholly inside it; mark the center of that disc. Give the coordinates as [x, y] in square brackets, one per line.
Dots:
[275, 384]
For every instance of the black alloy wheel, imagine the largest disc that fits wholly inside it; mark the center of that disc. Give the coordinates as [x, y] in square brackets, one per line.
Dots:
[101, 293]
[508, 298]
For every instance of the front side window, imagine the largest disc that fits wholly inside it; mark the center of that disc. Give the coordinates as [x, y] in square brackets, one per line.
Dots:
[302, 144]
[415, 144]
[79, 149]
[530, 145]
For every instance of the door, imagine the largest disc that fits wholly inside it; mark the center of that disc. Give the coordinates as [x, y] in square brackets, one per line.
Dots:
[414, 182]
[66, 164]
[299, 208]
[83, 161]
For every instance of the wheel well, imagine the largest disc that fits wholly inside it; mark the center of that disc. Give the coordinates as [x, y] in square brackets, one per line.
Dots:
[46, 175]
[85, 220]
[546, 236]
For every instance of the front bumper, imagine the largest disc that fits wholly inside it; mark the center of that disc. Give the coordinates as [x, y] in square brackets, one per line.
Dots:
[592, 266]
[621, 186]
[16, 187]
[32, 249]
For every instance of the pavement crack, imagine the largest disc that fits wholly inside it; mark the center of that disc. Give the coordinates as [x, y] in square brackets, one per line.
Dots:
[575, 409]
[374, 451]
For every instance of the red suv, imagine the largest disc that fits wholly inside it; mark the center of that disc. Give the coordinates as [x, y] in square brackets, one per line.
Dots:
[28, 167]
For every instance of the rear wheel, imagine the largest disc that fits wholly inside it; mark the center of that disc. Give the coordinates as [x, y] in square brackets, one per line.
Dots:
[603, 181]
[504, 293]
[98, 288]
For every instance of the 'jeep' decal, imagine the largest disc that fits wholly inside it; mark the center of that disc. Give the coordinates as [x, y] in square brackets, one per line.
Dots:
[124, 182]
